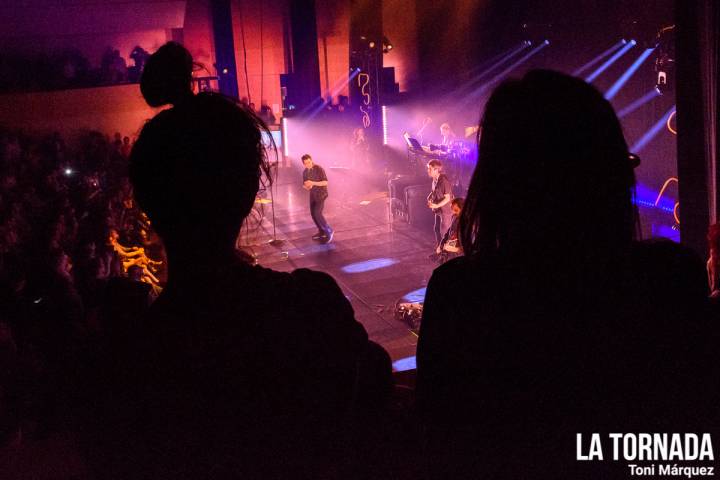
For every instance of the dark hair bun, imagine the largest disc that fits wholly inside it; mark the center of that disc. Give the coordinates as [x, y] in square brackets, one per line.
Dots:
[167, 76]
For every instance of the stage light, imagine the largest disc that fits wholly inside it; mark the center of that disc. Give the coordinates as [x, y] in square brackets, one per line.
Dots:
[652, 132]
[68, 171]
[386, 45]
[371, 44]
[638, 103]
[610, 61]
[650, 197]
[612, 91]
[661, 83]
[384, 125]
[665, 61]
[547, 42]
[286, 148]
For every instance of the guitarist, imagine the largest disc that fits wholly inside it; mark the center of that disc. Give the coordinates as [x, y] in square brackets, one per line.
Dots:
[439, 200]
[450, 244]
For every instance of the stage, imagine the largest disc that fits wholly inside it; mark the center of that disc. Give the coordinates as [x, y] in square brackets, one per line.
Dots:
[375, 260]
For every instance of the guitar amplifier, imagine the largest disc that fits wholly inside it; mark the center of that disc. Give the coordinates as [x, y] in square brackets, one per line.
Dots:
[396, 194]
[418, 213]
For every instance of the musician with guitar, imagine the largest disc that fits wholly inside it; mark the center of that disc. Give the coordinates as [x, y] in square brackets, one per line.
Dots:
[439, 200]
[450, 244]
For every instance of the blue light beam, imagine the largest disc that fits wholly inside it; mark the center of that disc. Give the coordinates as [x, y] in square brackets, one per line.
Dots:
[652, 133]
[507, 70]
[599, 57]
[612, 91]
[653, 93]
[332, 93]
[464, 89]
[610, 61]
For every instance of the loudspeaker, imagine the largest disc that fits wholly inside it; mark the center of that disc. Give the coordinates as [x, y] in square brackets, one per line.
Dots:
[396, 194]
[290, 90]
[418, 213]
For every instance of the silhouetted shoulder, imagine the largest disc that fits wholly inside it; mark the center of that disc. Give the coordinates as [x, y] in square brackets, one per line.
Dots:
[304, 303]
[672, 271]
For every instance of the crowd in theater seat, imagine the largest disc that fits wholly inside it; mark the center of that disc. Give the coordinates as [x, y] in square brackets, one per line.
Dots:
[68, 68]
[61, 280]
[557, 321]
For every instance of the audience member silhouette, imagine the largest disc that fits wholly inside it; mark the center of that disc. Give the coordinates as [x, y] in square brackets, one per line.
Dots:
[557, 322]
[237, 370]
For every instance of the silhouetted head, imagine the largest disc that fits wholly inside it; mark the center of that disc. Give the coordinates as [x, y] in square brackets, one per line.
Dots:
[553, 172]
[196, 169]
[167, 76]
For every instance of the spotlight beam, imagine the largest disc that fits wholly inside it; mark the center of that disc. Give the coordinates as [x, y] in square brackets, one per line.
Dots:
[507, 70]
[599, 57]
[638, 103]
[485, 65]
[610, 61]
[337, 88]
[652, 132]
[518, 62]
[339, 84]
[612, 91]
[469, 85]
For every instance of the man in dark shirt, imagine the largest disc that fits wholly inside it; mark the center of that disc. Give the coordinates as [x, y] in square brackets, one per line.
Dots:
[315, 181]
[439, 200]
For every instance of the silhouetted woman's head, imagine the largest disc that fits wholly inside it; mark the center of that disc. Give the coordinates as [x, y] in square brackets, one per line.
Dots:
[167, 76]
[553, 173]
[196, 167]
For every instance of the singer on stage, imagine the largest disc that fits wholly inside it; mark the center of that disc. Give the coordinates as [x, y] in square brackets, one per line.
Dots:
[315, 181]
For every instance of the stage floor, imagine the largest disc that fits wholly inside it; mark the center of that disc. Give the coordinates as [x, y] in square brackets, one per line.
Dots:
[374, 260]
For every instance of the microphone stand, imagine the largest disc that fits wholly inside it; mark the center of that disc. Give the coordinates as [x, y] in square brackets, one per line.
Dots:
[419, 133]
[274, 241]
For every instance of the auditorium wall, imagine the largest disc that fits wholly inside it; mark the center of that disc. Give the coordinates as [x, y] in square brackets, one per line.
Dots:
[110, 109]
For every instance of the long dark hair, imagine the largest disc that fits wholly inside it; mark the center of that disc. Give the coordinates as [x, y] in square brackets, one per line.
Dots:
[552, 172]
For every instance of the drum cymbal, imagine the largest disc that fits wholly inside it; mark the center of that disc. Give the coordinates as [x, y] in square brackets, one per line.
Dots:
[263, 201]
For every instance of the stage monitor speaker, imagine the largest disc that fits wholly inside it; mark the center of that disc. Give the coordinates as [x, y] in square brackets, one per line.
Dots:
[418, 213]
